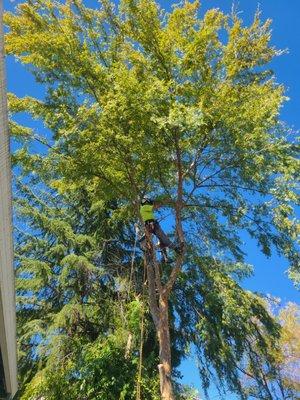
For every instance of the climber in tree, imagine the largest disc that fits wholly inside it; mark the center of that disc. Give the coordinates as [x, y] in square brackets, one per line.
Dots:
[152, 226]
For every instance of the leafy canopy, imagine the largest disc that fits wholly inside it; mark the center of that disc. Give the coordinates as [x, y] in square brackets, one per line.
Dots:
[130, 89]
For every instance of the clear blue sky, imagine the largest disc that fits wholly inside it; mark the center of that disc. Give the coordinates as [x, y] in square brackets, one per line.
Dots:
[269, 274]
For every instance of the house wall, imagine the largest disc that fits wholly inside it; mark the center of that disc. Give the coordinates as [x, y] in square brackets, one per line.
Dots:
[7, 291]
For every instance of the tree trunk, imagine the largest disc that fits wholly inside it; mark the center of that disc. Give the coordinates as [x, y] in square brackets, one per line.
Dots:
[164, 367]
[158, 303]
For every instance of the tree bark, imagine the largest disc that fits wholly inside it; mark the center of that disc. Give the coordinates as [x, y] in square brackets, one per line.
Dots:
[165, 367]
[159, 308]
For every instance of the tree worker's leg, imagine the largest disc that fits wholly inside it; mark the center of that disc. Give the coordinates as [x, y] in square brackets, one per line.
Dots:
[163, 238]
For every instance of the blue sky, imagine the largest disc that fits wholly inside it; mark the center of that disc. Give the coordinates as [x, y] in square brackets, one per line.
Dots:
[269, 274]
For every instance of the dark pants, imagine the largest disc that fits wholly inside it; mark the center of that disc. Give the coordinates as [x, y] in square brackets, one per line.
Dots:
[153, 227]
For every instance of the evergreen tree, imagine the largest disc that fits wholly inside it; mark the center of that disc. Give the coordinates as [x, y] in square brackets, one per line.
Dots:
[76, 311]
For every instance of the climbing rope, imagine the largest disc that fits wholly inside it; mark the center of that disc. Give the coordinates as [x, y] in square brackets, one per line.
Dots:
[149, 250]
[142, 321]
[142, 329]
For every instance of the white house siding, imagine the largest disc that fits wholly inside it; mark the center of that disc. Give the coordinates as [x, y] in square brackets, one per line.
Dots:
[7, 292]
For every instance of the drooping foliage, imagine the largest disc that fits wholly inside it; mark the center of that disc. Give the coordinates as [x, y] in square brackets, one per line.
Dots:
[137, 99]
[76, 310]
[233, 332]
